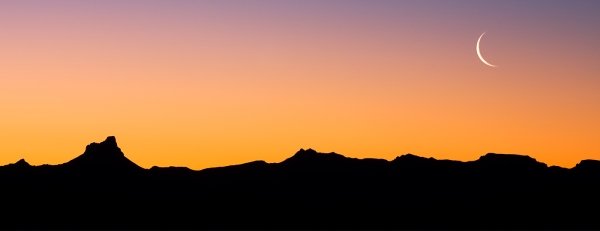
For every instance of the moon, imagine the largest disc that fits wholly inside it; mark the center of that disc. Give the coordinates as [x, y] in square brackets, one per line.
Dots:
[479, 52]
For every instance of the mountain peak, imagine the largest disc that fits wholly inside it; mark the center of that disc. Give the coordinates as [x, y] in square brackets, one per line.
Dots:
[588, 166]
[110, 143]
[110, 140]
[307, 152]
[509, 161]
[310, 156]
[22, 163]
[496, 157]
[411, 157]
[105, 155]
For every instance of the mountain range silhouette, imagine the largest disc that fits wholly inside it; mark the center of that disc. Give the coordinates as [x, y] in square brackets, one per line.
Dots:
[102, 188]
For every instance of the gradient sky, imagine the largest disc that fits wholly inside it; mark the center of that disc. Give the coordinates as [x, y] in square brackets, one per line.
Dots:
[212, 83]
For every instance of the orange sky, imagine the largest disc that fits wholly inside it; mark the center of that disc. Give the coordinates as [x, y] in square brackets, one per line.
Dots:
[213, 83]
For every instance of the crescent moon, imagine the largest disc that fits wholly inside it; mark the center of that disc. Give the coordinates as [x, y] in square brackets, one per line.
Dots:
[479, 52]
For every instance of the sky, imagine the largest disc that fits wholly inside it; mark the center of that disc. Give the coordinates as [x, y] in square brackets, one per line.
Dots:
[213, 83]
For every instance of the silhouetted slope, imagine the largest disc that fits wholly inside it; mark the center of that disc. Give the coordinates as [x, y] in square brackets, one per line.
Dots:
[588, 168]
[509, 164]
[19, 165]
[105, 157]
[310, 161]
[310, 190]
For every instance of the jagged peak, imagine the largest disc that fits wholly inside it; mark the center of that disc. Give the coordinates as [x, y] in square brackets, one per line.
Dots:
[304, 153]
[109, 142]
[105, 154]
[309, 151]
[105, 149]
[310, 154]
[21, 163]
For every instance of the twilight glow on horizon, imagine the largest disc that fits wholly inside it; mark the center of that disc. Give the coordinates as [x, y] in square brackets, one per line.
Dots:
[214, 83]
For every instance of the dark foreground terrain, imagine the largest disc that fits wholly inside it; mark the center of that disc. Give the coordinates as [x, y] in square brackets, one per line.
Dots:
[310, 190]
